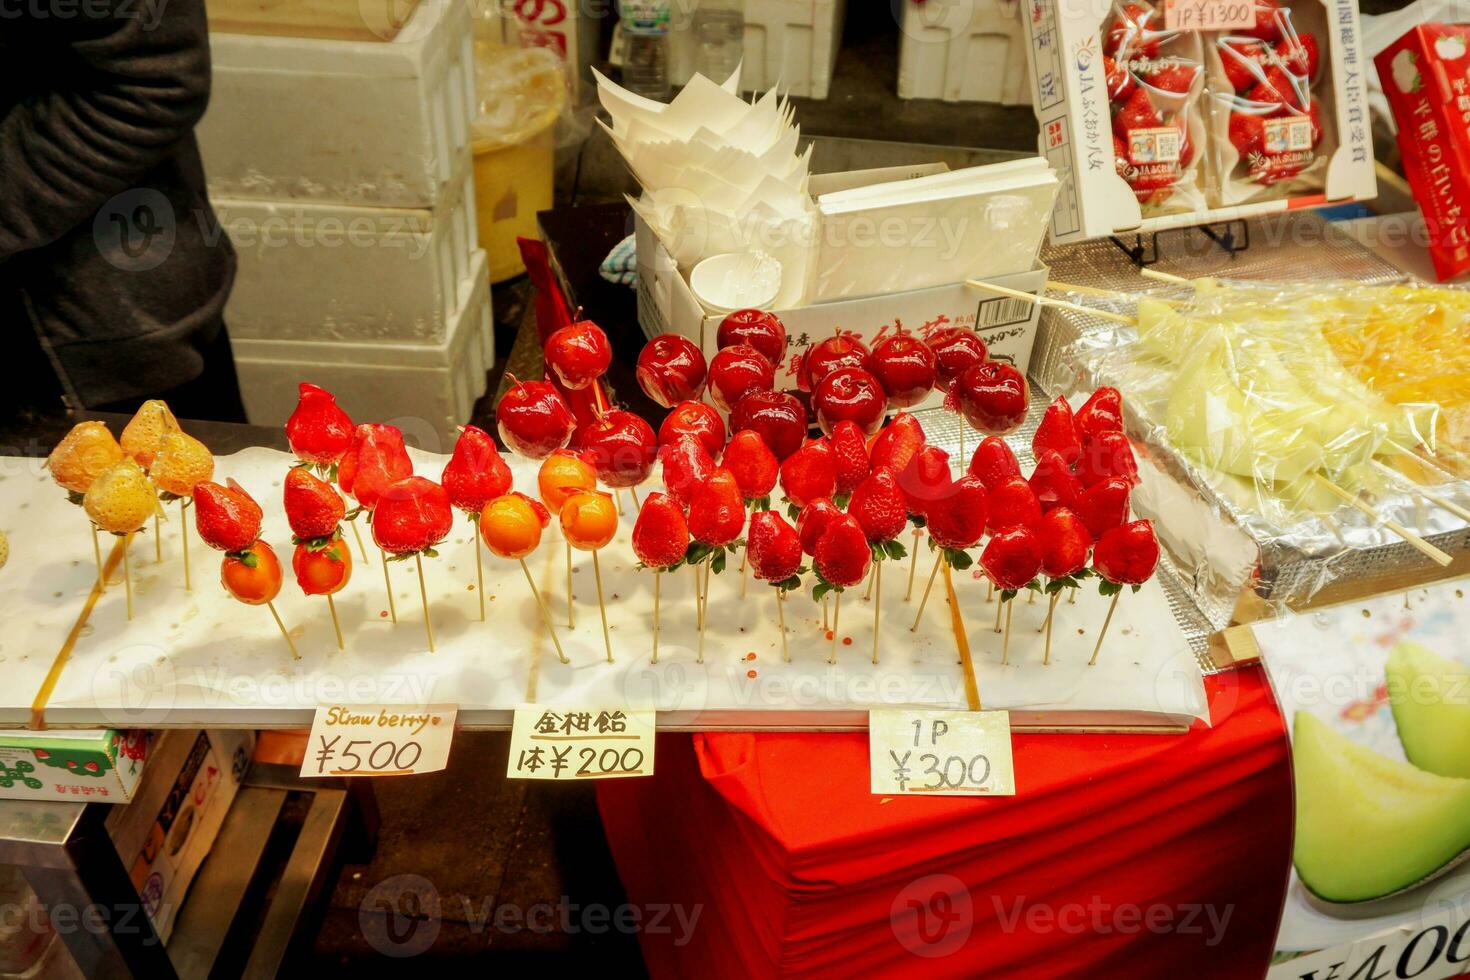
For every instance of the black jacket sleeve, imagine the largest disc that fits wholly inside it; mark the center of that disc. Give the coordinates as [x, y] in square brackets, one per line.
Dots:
[114, 88]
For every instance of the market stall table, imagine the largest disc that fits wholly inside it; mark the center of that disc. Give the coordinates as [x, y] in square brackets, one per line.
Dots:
[1120, 855]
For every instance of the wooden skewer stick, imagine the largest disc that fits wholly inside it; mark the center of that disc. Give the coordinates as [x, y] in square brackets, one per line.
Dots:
[826, 625]
[479, 573]
[877, 604]
[938, 557]
[836, 612]
[1072, 596]
[1030, 596]
[128, 575]
[1433, 498]
[703, 609]
[998, 607]
[97, 554]
[961, 460]
[361, 549]
[989, 590]
[571, 622]
[742, 575]
[545, 613]
[1050, 611]
[282, 626]
[418, 560]
[781, 619]
[913, 563]
[1410, 538]
[184, 533]
[1165, 277]
[1060, 304]
[1057, 286]
[698, 597]
[1005, 647]
[157, 540]
[336, 623]
[637, 504]
[657, 578]
[868, 593]
[388, 585]
[1108, 619]
[601, 607]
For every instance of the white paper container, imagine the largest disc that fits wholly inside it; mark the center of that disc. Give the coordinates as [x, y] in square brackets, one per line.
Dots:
[963, 51]
[381, 124]
[425, 389]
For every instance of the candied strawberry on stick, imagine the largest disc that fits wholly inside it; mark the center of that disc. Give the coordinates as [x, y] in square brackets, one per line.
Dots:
[774, 550]
[1124, 555]
[660, 540]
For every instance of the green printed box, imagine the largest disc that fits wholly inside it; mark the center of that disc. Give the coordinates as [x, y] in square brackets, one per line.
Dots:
[97, 765]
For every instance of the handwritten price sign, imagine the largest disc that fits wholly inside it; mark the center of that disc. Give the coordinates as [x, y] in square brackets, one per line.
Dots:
[1208, 15]
[355, 740]
[577, 744]
[941, 753]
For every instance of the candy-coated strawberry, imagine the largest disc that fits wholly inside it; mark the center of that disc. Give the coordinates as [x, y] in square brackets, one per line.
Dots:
[1127, 554]
[1103, 505]
[660, 535]
[82, 455]
[1053, 483]
[879, 507]
[843, 556]
[376, 460]
[475, 474]
[752, 463]
[849, 454]
[716, 512]
[1065, 542]
[313, 507]
[1012, 504]
[926, 480]
[1107, 454]
[695, 419]
[773, 547]
[1102, 412]
[993, 462]
[686, 465]
[144, 432]
[958, 520]
[122, 498]
[226, 517]
[1012, 558]
[813, 522]
[1058, 432]
[412, 515]
[809, 473]
[897, 443]
[318, 430]
[180, 463]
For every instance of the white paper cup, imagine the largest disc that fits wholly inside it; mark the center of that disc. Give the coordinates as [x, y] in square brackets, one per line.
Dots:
[736, 281]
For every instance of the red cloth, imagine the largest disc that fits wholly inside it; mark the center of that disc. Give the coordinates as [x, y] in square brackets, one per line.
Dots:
[801, 872]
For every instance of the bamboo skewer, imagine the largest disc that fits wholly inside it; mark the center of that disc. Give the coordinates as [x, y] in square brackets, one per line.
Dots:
[1044, 301]
[781, 618]
[479, 573]
[868, 593]
[388, 585]
[938, 557]
[418, 560]
[877, 604]
[336, 623]
[1108, 619]
[1005, 648]
[545, 613]
[825, 608]
[184, 534]
[998, 607]
[282, 626]
[703, 608]
[1165, 277]
[657, 579]
[637, 504]
[157, 540]
[913, 563]
[836, 612]
[1050, 611]
[601, 607]
[571, 622]
[97, 554]
[361, 549]
[1433, 498]
[128, 575]
[1410, 538]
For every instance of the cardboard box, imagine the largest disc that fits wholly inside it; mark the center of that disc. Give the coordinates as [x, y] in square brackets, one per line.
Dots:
[1070, 97]
[1424, 75]
[168, 830]
[95, 766]
[666, 304]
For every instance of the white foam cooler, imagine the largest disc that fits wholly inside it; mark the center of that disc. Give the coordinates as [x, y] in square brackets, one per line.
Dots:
[788, 43]
[380, 124]
[963, 51]
[427, 390]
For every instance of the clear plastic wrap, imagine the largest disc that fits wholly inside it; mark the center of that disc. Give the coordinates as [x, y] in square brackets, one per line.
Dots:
[1155, 79]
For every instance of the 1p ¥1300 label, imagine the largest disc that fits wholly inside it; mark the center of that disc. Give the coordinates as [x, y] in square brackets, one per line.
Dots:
[379, 740]
[556, 743]
[1208, 15]
[941, 753]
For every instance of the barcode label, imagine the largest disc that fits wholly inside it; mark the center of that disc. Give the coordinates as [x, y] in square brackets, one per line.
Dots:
[1289, 135]
[1003, 311]
[1158, 145]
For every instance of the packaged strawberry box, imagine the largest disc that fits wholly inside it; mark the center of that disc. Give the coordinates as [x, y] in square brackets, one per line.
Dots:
[1426, 76]
[1154, 79]
[1270, 134]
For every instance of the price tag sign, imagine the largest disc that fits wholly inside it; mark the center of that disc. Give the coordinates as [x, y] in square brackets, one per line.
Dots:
[941, 753]
[367, 740]
[1208, 15]
[553, 743]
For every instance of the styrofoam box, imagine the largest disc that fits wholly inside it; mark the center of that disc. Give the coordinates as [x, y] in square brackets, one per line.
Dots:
[382, 124]
[335, 272]
[963, 51]
[1008, 325]
[788, 43]
[427, 390]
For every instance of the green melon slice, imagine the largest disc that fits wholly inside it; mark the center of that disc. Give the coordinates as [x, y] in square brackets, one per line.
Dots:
[1367, 825]
[1431, 707]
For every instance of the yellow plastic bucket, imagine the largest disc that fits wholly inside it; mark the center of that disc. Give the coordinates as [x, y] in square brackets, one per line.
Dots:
[514, 168]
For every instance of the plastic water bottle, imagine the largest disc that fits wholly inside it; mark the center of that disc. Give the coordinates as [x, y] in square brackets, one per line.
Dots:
[719, 28]
[645, 26]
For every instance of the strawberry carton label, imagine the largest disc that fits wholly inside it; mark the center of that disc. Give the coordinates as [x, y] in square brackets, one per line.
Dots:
[1159, 145]
[1426, 76]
